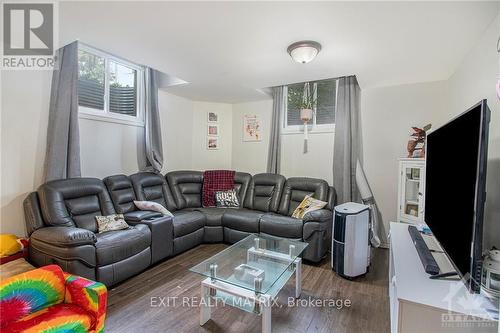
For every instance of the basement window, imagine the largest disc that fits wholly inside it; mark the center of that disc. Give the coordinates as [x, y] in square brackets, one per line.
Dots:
[109, 88]
[324, 93]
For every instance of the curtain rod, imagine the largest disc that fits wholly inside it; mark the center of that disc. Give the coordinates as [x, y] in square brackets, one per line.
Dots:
[332, 78]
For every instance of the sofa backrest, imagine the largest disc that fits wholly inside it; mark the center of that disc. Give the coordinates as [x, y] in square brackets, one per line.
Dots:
[296, 188]
[150, 186]
[74, 202]
[264, 192]
[122, 193]
[241, 183]
[186, 186]
[332, 198]
[32, 213]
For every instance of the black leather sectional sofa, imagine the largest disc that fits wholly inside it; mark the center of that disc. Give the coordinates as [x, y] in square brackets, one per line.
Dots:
[60, 219]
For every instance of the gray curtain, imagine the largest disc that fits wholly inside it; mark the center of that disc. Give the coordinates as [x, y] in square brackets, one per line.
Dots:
[62, 159]
[274, 153]
[367, 198]
[347, 146]
[152, 126]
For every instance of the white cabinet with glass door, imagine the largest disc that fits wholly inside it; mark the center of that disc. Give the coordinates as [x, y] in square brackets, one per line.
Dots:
[411, 190]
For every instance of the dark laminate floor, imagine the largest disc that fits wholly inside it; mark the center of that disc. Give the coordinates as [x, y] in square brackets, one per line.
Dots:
[130, 310]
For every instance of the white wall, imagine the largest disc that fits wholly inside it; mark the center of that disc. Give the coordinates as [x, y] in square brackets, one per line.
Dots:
[25, 96]
[106, 148]
[474, 80]
[316, 163]
[252, 156]
[176, 114]
[204, 159]
[387, 115]
[109, 148]
[247, 156]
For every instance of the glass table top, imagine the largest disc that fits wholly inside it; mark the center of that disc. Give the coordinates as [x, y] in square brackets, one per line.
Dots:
[259, 263]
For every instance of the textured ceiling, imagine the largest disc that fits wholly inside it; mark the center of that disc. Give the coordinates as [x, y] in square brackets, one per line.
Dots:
[228, 51]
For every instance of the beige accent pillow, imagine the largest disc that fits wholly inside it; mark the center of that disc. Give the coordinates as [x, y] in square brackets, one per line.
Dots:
[152, 206]
[111, 223]
[309, 204]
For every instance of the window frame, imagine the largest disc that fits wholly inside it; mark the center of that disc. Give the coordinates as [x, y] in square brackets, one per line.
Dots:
[106, 115]
[312, 128]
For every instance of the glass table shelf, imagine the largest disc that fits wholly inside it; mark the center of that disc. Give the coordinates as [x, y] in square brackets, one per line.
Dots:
[258, 263]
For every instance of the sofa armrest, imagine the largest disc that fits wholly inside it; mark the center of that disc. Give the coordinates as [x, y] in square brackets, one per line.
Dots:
[64, 236]
[139, 215]
[25, 293]
[320, 215]
[162, 236]
[90, 296]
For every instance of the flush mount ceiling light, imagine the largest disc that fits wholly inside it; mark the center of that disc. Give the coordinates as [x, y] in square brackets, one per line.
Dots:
[304, 51]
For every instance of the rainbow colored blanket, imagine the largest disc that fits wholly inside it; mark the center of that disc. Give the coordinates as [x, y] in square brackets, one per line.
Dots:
[48, 300]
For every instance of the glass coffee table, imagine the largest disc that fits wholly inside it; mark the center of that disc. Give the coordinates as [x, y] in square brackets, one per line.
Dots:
[249, 274]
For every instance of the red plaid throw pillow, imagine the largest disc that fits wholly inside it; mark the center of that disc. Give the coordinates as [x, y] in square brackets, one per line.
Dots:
[213, 181]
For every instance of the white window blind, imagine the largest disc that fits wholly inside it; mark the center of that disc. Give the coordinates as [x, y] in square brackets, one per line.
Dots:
[122, 89]
[293, 112]
[325, 94]
[108, 87]
[325, 103]
[91, 76]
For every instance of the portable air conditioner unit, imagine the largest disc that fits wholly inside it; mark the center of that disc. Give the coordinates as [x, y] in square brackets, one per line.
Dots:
[350, 244]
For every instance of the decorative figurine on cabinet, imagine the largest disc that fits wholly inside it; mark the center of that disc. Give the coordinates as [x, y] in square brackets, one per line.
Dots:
[416, 144]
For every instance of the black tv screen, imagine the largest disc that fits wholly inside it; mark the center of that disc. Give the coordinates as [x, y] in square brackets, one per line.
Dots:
[455, 181]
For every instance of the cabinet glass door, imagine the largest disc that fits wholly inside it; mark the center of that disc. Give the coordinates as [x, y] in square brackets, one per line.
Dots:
[412, 195]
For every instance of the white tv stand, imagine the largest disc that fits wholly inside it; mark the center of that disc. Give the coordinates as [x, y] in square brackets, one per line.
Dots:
[419, 304]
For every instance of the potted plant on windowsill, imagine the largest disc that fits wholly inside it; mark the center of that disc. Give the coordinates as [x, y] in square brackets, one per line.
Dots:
[304, 102]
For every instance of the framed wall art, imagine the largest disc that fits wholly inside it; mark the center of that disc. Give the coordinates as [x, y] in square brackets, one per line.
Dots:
[252, 128]
[212, 143]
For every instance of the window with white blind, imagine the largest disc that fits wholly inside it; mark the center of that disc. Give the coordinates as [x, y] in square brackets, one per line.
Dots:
[325, 97]
[109, 88]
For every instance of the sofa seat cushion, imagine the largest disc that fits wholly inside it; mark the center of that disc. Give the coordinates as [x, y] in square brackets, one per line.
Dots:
[57, 318]
[213, 215]
[281, 226]
[186, 222]
[114, 246]
[188, 209]
[242, 219]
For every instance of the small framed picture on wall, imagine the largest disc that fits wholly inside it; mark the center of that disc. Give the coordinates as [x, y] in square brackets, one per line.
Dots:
[212, 117]
[212, 143]
[213, 130]
[251, 128]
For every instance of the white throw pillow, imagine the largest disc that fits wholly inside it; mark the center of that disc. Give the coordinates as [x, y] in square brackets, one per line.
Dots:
[152, 206]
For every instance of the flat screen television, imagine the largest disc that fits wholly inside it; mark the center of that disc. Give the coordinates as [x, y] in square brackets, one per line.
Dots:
[455, 189]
